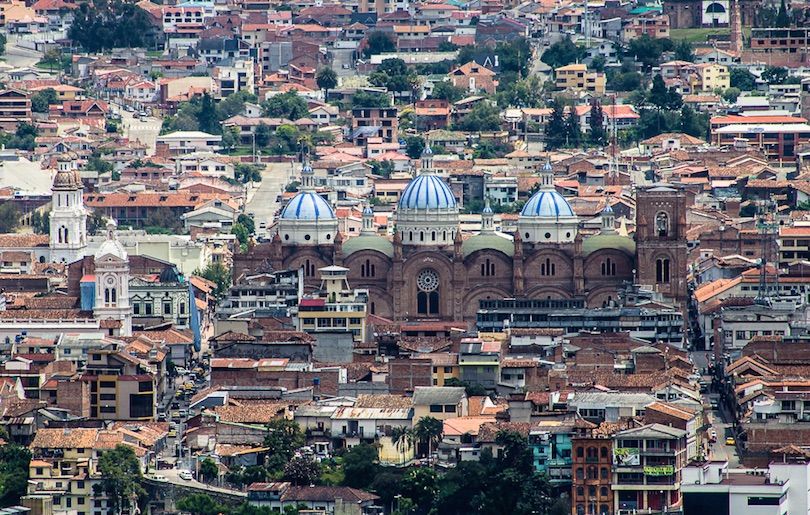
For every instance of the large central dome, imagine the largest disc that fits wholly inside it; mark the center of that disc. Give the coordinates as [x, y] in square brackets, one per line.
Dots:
[547, 204]
[427, 191]
[308, 205]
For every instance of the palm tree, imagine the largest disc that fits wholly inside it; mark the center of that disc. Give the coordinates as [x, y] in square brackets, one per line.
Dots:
[402, 438]
[429, 430]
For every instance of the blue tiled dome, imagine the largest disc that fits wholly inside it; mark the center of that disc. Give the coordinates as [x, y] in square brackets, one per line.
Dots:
[308, 205]
[427, 192]
[547, 204]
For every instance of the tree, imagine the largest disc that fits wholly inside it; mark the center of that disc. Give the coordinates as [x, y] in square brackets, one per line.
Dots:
[9, 218]
[527, 92]
[414, 146]
[379, 43]
[429, 431]
[573, 131]
[360, 465]
[402, 438]
[201, 504]
[108, 25]
[247, 222]
[120, 473]
[209, 470]
[284, 437]
[382, 168]
[596, 124]
[555, 127]
[14, 461]
[326, 79]
[774, 74]
[41, 222]
[647, 51]
[370, 99]
[472, 390]
[562, 53]
[684, 51]
[207, 116]
[419, 485]
[2, 44]
[782, 18]
[446, 90]
[598, 64]
[289, 105]
[244, 172]
[743, 79]
[163, 218]
[234, 104]
[662, 97]
[219, 275]
[301, 470]
[731, 94]
[94, 223]
[42, 100]
[694, 124]
[483, 117]
[242, 235]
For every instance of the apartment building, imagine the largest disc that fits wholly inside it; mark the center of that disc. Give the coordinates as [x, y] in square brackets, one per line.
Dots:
[336, 308]
[15, 108]
[648, 463]
[383, 117]
[121, 386]
[591, 473]
[577, 77]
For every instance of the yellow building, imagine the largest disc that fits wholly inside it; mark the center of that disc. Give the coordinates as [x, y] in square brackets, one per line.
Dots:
[336, 307]
[710, 77]
[445, 366]
[577, 77]
[440, 403]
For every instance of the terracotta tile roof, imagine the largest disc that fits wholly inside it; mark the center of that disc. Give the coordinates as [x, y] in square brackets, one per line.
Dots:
[148, 199]
[21, 407]
[672, 410]
[439, 358]
[465, 425]
[489, 431]
[24, 240]
[383, 401]
[256, 413]
[75, 438]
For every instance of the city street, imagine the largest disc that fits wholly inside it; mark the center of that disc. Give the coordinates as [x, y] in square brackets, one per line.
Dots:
[19, 57]
[263, 201]
[719, 449]
[144, 130]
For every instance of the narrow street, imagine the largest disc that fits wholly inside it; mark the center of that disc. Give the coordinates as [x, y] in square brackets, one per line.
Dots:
[263, 200]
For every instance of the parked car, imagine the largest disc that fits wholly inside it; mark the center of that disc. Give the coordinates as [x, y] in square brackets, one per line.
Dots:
[172, 433]
[713, 435]
[160, 477]
[185, 474]
[262, 225]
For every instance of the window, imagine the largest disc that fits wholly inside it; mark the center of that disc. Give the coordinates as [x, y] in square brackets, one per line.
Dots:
[603, 491]
[449, 408]
[580, 452]
[580, 473]
[167, 308]
[604, 452]
[662, 225]
[107, 409]
[662, 270]
[182, 308]
[488, 268]
[603, 473]
[107, 396]
[435, 408]
[548, 268]
[107, 384]
[580, 492]
[766, 501]
[608, 267]
[448, 370]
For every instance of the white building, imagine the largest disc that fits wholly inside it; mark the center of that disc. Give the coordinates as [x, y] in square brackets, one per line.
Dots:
[68, 242]
[186, 142]
[112, 306]
[308, 218]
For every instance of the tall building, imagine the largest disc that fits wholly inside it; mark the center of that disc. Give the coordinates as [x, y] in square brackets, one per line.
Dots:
[68, 220]
[112, 305]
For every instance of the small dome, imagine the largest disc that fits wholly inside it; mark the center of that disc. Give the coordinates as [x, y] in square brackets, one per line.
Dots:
[306, 169]
[547, 166]
[487, 210]
[111, 245]
[547, 204]
[308, 205]
[367, 210]
[488, 242]
[427, 192]
[368, 242]
[68, 180]
[608, 209]
[427, 150]
[609, 241]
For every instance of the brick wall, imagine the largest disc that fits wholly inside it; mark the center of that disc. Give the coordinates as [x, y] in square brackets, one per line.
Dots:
[289, 379]
[406, 374]
[74, 396]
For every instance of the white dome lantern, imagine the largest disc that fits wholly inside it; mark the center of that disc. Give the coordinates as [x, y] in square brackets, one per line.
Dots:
[427, 213]
[307, 219]
[547, 217]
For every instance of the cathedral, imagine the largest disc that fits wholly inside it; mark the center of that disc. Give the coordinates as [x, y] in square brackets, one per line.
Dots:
[429, 270]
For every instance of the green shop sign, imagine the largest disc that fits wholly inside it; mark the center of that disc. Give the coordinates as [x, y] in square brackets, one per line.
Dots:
[663, 470]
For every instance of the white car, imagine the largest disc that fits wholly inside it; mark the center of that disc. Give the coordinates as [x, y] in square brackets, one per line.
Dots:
[185, 474]
[160, 477]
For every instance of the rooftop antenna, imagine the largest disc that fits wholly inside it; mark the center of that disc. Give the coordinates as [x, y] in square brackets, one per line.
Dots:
[767, 226]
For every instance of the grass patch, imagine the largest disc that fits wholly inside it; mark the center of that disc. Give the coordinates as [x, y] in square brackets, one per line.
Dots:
[701, 35]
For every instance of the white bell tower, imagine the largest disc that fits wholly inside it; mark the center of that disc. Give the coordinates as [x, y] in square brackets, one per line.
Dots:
[68, 242]
[112, 285]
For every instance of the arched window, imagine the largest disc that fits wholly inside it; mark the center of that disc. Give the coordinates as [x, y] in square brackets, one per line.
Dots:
[603, 491]
[662, 270]
[592, 473]
[580, 491]
[373, 310]
[421, 236]
[604, 452]
[410, 235]
[580, 509]
[309, 269]
[67, 238]
[433, 236]
[114, 295]
[592, 452]
[373, 270]
[608, 267]
[362, 270]
[603, 473]
[422, 303]
[580, 452]
[444, 235]
[548, 268]
[603, 509]
[106, 295]
[662, 225]
[433, 303]
[580, 473]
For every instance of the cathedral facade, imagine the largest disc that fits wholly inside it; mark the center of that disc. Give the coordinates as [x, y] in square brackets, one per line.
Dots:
[429, 270]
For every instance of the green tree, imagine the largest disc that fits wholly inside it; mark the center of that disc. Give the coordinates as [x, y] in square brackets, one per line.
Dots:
[242, 235]
[445, 90]
[414, 145]
[647, 51]
[774, 74]
[555, 127]
[782, 18]
[9, 218]
[42, 100]
[209, 470]
[163, 218]
[219, 274]
[692, 123]
[14, 461]
[370, 99]
[41, 222]
[302, 471]
[483, 117]
[731, 94]
[514, 56]
[402, 438]
[326, 79]
[598, 64]
[596, 124]
[573, 130]
[95, 222]
[201, 504]
[247, 222]
[234, 104]
[207, 117]
[2, 44]
[742, 79]
[120, 474]
[382, 168]
[429, 431]
[289, 105]
[527, 92]
[472, 390]
[419, 485]
[562, 53]
[108, 25]
[378, 43]
[360, 465]
[684, 51]
[283, 438]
